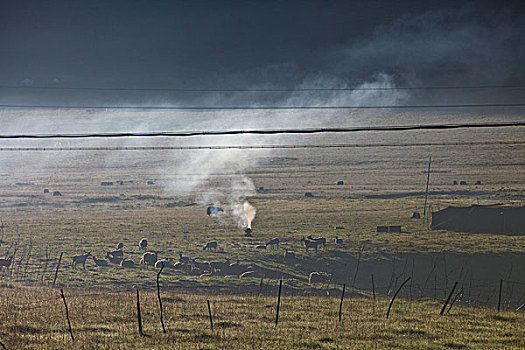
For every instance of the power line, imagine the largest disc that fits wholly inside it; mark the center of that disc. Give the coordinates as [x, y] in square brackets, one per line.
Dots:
[242, 147]
[211, 108]
[94, 88]
[267, 131]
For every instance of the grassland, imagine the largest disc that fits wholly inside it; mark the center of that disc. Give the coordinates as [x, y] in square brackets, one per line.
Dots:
[382, 186]
[105, 320]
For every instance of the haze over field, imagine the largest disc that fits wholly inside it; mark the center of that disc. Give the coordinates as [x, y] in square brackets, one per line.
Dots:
[247, 45]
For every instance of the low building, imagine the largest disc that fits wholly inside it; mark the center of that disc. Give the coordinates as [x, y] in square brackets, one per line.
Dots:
[495, 218]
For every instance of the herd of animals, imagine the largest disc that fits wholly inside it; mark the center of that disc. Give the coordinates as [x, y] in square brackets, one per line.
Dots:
[192, 266]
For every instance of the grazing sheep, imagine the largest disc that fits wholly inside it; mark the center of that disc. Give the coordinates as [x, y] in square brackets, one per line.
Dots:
[338, 240]
[114, 259]
[80, 259]
[219, 265]
[309, 244]
[149, 259]
[260, 246]
[115, 254]
[99, 262]
[127, 263]
[167, 263]
[120, 245]
[318, 277]
[143, 244]
[6, 262]
[236, 268]
[289, 256]
[210, 245]
[274, 242]
[183, 259]
[320, 240]
[204, 266]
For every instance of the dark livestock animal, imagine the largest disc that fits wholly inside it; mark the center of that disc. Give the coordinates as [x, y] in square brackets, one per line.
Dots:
[143, 244]
[318, 277]
[115, 254]
[309, 244]
[289, 256]
[320, 240]
[6, 262]
[210, 245]
[214, 210]
[274, 242]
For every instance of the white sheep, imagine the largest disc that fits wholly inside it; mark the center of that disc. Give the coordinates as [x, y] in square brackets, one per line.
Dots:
[80, 259]
[149, 259]
[338, 240]
[120, 245]
[210, 245]
[143, 244]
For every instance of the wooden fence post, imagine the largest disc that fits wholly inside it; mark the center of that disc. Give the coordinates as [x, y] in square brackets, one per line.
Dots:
[67, 314]
[358, 262]
[278, 302]
[373, 287]
[499, 295]
[139, 318]
[209, 312]
[341, 303]
[261, 286]
[394, 297]
[448, 298]
[56, 271]
[160, 300]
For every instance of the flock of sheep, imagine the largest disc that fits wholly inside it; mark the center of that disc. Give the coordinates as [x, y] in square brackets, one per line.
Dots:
[203, 268]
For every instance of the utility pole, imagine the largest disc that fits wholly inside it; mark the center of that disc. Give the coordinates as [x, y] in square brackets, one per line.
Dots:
[426, 191]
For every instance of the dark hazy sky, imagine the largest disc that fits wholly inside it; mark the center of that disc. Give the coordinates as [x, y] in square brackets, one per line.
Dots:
[200, 44]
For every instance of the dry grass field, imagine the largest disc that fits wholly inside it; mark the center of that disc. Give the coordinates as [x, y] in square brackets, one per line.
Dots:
[107, 320]
[157, 200]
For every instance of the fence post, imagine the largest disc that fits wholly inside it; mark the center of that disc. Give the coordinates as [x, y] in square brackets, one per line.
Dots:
[278, 302]
[56, 271]
[261, 286]
[341, 303]
[209, 312]
[67, 314]
[139, 318]
[394, 297]
[160, 300]
[448, 298]
[358, 262]
[499, 295]
[373, 287]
